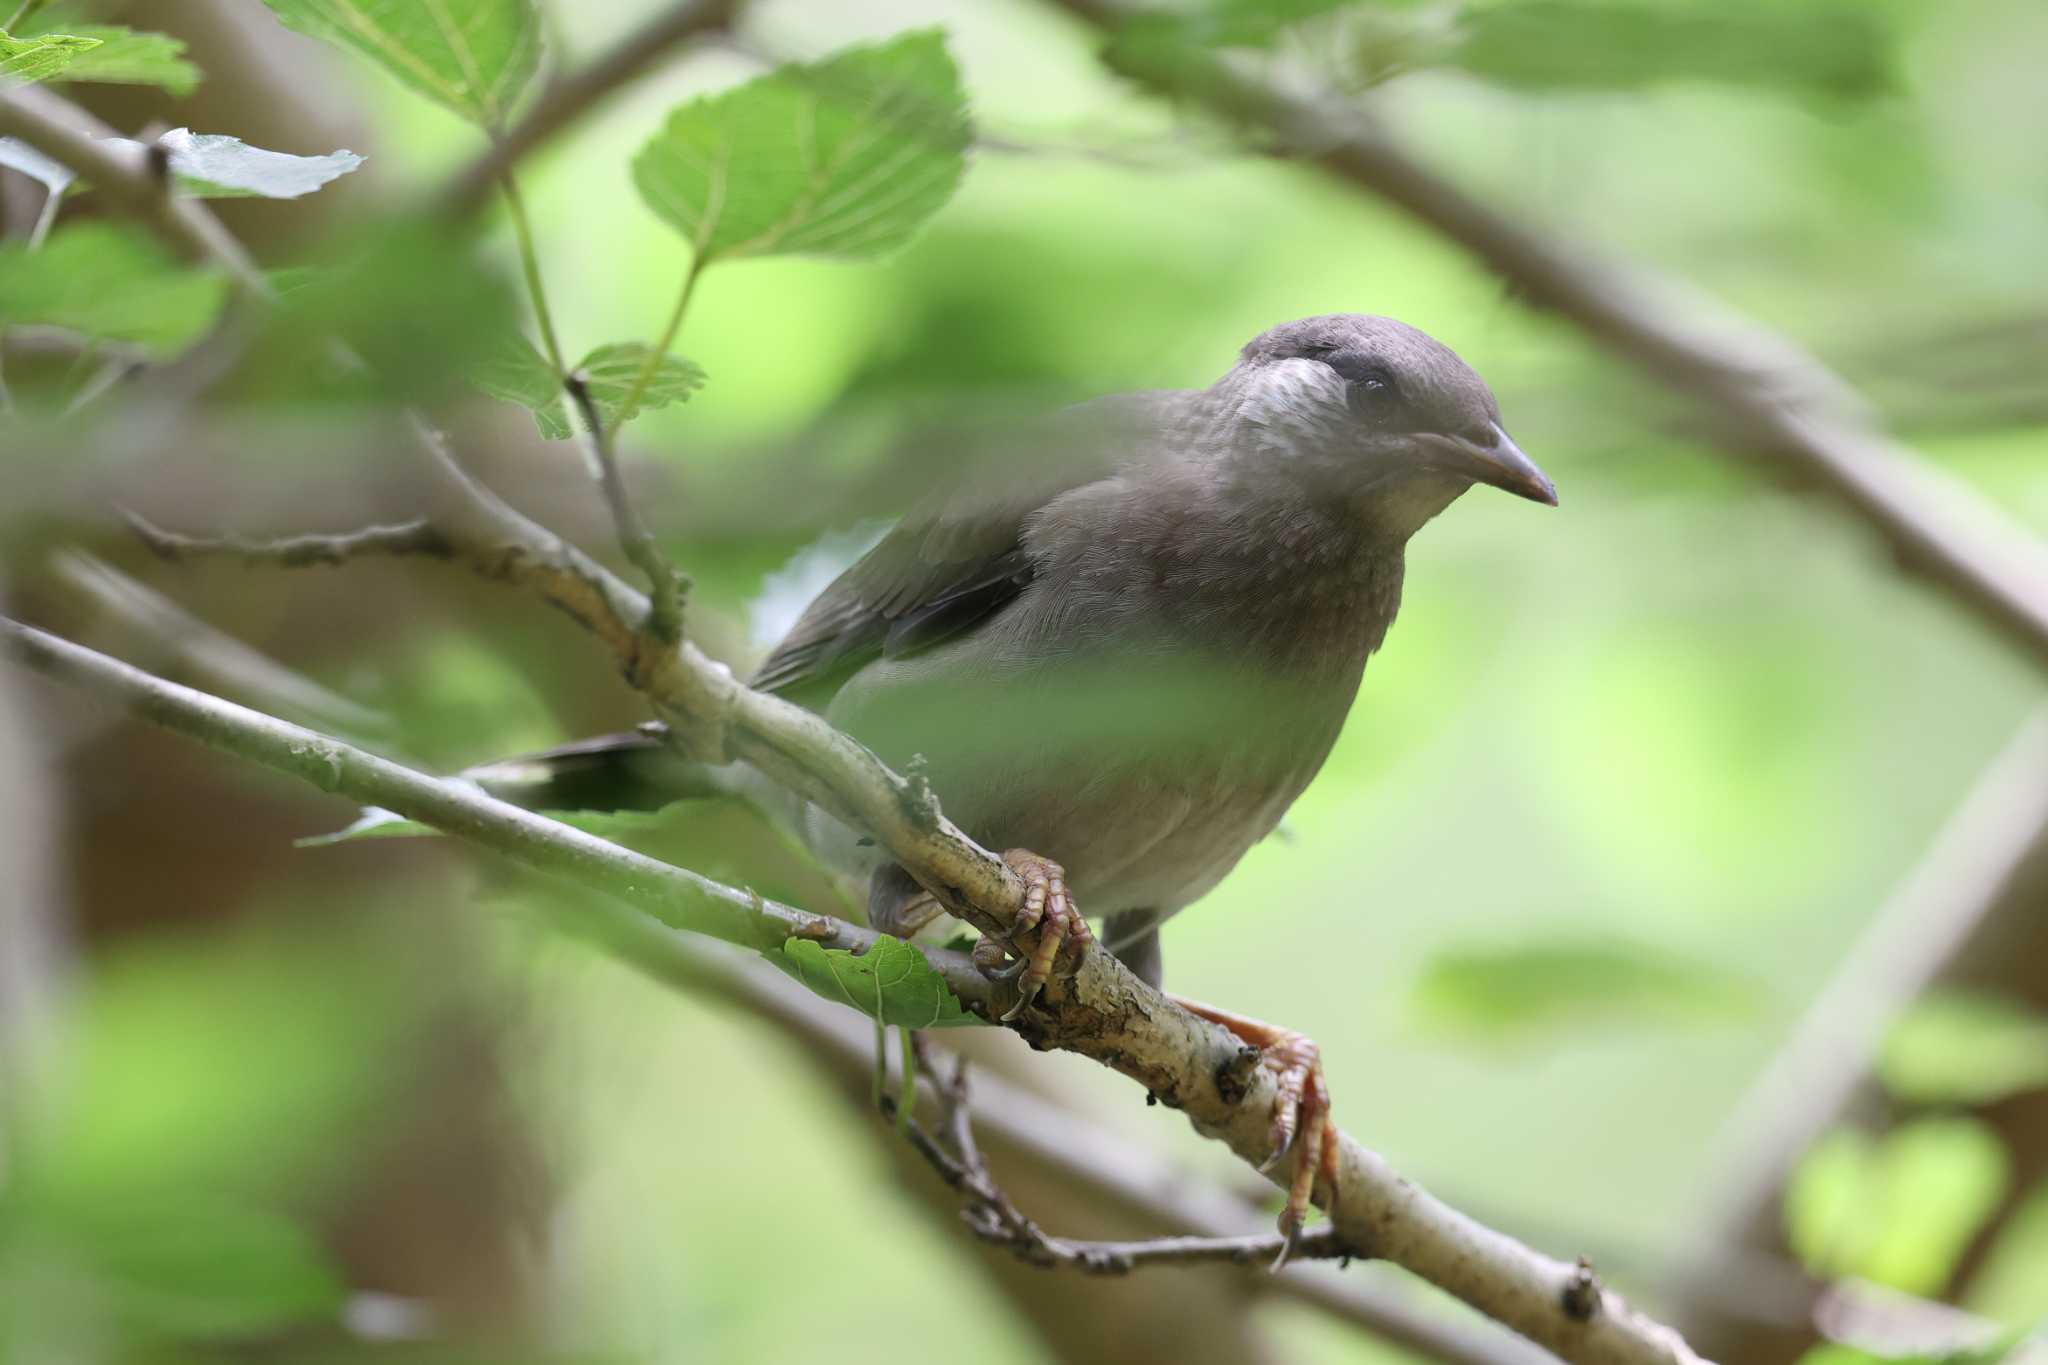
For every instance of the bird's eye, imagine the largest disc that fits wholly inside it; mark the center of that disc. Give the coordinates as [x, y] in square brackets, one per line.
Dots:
[1363, 373]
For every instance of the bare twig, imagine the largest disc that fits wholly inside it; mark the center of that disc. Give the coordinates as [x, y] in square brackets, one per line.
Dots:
[418, 537]
[992, 1216]
[1767, 397]
[672, 895]
[667, 585]
[569, 97]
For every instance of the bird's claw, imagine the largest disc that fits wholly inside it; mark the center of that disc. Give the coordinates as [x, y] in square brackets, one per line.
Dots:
[1301, 1115]
[1048, 924]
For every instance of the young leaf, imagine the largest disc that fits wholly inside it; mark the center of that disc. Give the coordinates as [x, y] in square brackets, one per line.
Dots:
[25, 60]
[516, 373]
[891, 982]
[127, 57]
[611, 370]
[215, 166]
[846, 157]
[473, 56]
[109, 281]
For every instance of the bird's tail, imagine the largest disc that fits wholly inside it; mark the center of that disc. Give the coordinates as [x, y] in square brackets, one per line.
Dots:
[634, 770]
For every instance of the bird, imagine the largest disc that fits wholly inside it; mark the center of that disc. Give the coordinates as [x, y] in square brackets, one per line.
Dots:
[1122, 652]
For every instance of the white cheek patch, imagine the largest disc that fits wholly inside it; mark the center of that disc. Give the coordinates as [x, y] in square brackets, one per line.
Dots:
[1297, 400]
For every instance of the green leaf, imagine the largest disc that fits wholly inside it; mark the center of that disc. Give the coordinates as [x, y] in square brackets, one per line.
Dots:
[890, 982]
[128, 57]
[512, 370]
[1501, 994]
[1899, 1210]
[215, 166]
[182, 1265]
[611, 370]
[1827, 49]
[472, 56]
[846, 157]
[26, 60]
[112, 282]
[1963, 1047]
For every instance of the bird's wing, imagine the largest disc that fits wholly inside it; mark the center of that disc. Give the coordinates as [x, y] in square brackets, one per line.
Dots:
[958, 558]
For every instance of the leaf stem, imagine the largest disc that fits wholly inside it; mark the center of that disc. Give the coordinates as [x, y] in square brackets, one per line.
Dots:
[668, 339]
[529, 263]
[28, 7]
[906, 1095]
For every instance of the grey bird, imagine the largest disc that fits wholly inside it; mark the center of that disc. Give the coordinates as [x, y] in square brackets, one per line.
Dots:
[1124, 658]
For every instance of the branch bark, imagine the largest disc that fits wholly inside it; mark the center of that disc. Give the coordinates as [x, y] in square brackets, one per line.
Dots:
[1767, 399]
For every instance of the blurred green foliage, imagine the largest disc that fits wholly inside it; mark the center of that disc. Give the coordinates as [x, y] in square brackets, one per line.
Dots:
[1614, 798]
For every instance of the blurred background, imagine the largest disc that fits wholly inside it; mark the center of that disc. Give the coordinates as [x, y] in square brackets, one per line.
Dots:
[1619, 800]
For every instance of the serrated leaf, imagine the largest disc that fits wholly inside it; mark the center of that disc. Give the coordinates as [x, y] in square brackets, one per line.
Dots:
[1503, 994]
[1590, 44]
[846, 157]
[216, 166]
[472, 56]
[891, 982]
[109, 281]
[1958, 1047]
[18, 155]
[126, 56]
[26, 60]
[377, 823]
[611, 371]
[512, 370]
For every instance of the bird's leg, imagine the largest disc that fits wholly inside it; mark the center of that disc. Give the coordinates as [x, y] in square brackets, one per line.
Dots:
[1301, 1107]
[1049, 913]
[897, 905]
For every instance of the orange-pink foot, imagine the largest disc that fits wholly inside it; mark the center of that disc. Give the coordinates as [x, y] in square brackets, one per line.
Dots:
[1301, 1111]
[1047, 923]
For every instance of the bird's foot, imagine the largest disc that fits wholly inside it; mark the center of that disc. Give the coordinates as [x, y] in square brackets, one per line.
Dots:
[1048, 926]
[1301, 1111]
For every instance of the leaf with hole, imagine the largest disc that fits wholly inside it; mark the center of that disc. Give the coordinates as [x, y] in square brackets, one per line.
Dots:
[472, 56]
[24, 61]
[846, 157]
[109, 282]
[890, 982]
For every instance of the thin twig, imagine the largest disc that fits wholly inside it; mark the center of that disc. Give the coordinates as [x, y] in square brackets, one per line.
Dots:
[417, 537]
[529, 265]
[569, 97]
[664, 622]
[993, 1217]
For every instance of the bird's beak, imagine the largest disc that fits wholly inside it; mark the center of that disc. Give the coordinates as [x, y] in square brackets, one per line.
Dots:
[1499, 462]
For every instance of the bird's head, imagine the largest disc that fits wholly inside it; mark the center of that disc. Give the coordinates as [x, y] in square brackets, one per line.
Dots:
[1378, 409]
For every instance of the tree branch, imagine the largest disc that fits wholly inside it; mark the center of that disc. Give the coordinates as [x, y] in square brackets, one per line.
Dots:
[569, 97]
[417, 537]
[1768, 399]
[666, 583]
